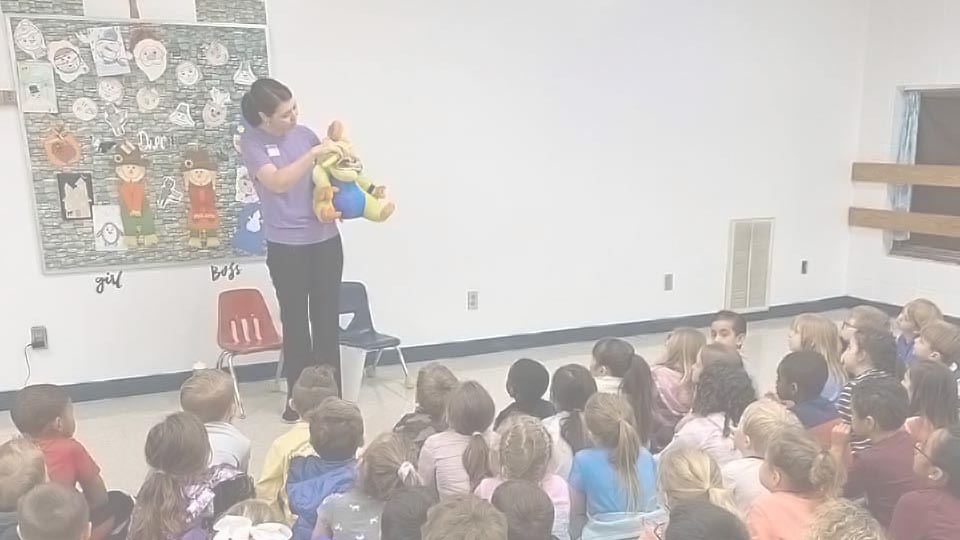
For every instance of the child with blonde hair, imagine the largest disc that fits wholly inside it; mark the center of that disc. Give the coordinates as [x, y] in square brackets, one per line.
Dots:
[456, 460]
[21, 469]
[840, 519]
[913, 317]
[814, 332]
[673, 378]
[761, 422]
[800, 477]
[435, 382]
[53, 512]
[525, 452]
[686, 475]
[618, 475]
[315, 384]
[385, 467]
[208, 395]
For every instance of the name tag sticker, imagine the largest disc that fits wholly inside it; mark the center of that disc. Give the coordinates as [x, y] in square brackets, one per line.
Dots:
[272, 150]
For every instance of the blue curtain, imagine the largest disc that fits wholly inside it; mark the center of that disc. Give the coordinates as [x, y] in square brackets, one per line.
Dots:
[906, 154]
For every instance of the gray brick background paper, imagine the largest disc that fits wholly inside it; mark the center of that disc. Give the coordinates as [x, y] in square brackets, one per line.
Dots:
[235, 11]
[47, 7]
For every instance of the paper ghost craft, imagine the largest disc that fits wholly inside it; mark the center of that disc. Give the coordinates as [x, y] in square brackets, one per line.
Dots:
[249, 236]
[61, 147]
[66, 60]
[356, 196]
[29, 39]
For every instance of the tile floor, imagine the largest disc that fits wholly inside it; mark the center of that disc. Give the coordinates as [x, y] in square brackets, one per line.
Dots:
[114, 430]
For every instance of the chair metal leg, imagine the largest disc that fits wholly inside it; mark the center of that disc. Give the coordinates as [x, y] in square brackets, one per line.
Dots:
[223, 354]
[276, 378]
[407, 381]
[372, 370]
[236, 387]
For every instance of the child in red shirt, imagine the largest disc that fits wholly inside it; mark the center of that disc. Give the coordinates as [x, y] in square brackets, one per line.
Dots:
[44, 414]
[932, 513]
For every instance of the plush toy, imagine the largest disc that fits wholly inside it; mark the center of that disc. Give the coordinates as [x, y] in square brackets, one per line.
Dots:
[340, 190]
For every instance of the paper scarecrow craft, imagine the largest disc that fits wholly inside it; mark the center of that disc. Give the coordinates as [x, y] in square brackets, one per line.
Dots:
[135, 211]
[200, 178]
[340, 189]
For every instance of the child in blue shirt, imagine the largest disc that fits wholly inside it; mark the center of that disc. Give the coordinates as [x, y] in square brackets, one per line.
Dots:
[336, 432]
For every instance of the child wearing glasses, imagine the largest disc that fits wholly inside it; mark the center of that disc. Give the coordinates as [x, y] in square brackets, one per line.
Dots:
[932, 513]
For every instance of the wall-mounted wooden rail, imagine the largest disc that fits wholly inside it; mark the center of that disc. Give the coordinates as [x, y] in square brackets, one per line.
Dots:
[920, 175]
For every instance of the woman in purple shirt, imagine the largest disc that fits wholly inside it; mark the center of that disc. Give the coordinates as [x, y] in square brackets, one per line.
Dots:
[304, 255]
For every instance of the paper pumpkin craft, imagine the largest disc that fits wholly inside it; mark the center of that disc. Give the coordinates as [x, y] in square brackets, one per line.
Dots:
[151, 57]
[29, 39]
[66, 60]
[199, 171]
[61, 147]
[136, 215]
[340, 189]
[76, 195]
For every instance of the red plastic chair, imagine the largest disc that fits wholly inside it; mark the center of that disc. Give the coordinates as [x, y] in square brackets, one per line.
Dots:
[244, 327]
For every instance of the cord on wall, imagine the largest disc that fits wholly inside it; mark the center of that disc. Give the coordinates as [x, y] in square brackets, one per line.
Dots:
[26, 360]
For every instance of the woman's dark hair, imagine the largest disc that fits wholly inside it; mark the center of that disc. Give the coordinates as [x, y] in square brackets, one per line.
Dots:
[946, 455]
[933, 393]
[405, 512]
[700, 520]
[620, 359]
[726, 389]
[572, 386]
[264, 96]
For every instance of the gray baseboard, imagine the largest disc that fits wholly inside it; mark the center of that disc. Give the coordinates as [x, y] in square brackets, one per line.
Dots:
[165, 382]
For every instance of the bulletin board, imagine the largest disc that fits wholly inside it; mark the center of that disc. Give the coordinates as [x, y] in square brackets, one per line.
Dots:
[131, 129]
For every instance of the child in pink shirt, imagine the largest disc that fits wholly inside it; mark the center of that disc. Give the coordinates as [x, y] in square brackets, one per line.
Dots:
[800, 476]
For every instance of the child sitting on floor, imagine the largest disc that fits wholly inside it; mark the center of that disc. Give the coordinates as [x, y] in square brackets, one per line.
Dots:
[933, 512]
[21, 469]
[618, 369]
[939, 341]
[456, 460]
[529, 511]
[53, 512]
[871, 354]
[841, 519]
[315, 384]
[572, 386]
[44, 413]
[914, 316]
[527, 382]
[673, 378]
[863, 318]
[761, 422]
[883, 472]
[435, 382]
[525, 452]
[208, 395]
[465, 517]
[405, 512]
[714, 353]
[800, 380]
[384, 468]
[336, 433]
[933, 399]
[816, 333]
[723, 393]
[728, 328]
[701, 520]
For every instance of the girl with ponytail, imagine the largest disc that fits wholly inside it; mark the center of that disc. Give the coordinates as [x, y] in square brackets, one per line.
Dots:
[572, 386]
[687, 475]
[181, 495]
[618, 476]
[384, 468]
[800, 476]
[455, 461]
[620, 370]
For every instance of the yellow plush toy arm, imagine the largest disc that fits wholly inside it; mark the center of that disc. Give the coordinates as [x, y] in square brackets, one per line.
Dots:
[323, 192]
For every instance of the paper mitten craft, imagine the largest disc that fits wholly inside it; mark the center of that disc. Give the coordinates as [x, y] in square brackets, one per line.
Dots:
[340, 190]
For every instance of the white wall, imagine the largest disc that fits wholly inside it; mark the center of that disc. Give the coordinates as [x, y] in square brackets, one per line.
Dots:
[557, 158]
[910, 43]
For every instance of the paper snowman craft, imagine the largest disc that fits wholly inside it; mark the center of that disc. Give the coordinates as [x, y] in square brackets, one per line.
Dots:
[200, 178]
[136, 214]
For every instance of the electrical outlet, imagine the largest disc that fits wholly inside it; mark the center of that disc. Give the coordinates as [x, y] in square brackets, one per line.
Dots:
[38, 337]
[804, 266]
[473, 300]
[668, 282]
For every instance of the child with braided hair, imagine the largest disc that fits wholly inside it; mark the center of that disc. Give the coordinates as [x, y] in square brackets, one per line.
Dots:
[525, 453]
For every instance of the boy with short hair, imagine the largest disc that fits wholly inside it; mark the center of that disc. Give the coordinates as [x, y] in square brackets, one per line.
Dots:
[21, 469]
[208, 395]
[315, 384]
[527, 382]
[871, 354]
[44, 414]
[801, 377]
[730, 328]
[336, 433]
[465, 516]
[53, 512]
[884, 471]
[529, 511]
[939, 341]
